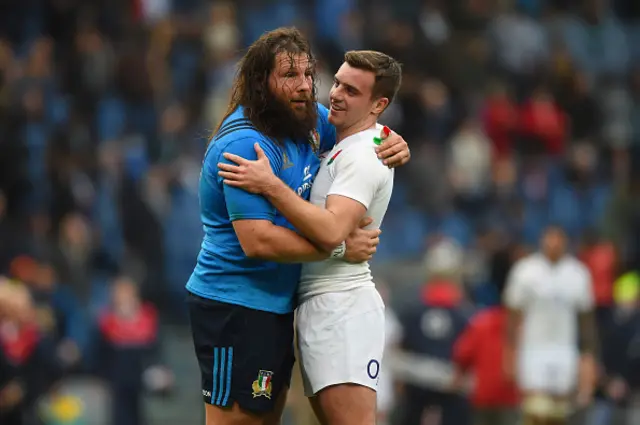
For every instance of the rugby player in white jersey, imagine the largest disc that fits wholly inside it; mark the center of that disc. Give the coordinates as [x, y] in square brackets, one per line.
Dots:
[551, 331]
[340, 317]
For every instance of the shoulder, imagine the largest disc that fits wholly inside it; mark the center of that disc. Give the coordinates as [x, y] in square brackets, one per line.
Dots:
[484, 319]
[325, 131]
[526, 265]
[531, 261]
[362, 151]
[576, 266]
[323, 113]
[241, 142]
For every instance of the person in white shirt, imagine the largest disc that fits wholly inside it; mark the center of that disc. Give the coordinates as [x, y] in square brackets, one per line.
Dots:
[550, 300]
[340, 317]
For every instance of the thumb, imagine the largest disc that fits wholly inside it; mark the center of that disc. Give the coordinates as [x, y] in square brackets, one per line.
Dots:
[385, 132]
[259, 151]
[365, 222]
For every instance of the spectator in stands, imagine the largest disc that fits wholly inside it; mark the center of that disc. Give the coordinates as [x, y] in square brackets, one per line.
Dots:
[59, 314]
[13, 304]
[543, 125]
[128, 352]
[601, 258]
[26, 360]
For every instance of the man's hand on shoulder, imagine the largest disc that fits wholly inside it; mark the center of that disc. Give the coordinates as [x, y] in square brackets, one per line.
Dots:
[252, 176]
[394, 151]
[362, 243]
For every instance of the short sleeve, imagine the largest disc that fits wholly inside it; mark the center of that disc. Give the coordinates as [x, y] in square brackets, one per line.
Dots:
[242, 205]
[326, 130]
[584, 288]
[357, 174]
[516, 291]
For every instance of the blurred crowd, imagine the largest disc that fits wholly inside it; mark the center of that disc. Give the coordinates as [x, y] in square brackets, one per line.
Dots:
[519, 113]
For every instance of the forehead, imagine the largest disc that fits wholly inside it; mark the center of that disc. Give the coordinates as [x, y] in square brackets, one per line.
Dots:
[358, 78]
[286, 61]
[554, 233]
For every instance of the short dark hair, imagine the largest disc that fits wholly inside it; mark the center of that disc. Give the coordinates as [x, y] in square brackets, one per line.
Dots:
[387, 70]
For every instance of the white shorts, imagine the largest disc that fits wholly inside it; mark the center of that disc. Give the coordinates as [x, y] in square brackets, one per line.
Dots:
[551, 371]
[341, 339]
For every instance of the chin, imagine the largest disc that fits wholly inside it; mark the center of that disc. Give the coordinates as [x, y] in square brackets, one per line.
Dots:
[300, 113]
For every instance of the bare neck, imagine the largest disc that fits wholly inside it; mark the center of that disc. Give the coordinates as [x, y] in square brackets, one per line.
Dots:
[366, 124]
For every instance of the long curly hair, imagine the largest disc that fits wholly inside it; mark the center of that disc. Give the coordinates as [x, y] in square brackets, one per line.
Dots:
[251, 86]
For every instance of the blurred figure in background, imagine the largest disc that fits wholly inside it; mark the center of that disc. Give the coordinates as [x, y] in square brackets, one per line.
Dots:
[14, 306]
[550, 302]
[478, 354]
[128, 354]
[620, 377]
[429, 331]
[31, 369]
[386, 381]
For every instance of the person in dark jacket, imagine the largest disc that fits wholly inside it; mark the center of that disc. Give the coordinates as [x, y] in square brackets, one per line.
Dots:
[27, 368]
[429, 331]
[620, 349]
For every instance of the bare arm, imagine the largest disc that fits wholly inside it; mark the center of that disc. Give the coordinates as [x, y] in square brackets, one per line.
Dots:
[588, 333]
[514, 319]
[512, 336]
[588, 375]
[263, 239]
[329, 226]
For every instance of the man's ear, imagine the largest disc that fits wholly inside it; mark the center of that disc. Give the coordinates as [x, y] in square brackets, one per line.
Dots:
[380, 105]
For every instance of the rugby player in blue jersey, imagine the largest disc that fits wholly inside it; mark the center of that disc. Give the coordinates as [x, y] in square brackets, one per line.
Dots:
[242, 290]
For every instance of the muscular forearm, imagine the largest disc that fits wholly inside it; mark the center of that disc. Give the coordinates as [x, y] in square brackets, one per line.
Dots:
[282, 245]
[316, 223]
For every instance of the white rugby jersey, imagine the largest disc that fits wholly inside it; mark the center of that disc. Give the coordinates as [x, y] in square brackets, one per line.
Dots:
[351, 169]
[550, 297]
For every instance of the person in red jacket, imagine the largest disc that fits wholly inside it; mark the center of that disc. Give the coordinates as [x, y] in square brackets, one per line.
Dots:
[478, 352]
[543, 125]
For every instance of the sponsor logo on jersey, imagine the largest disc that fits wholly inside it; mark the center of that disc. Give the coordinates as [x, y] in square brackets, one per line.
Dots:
[307, 181]
[286, 163]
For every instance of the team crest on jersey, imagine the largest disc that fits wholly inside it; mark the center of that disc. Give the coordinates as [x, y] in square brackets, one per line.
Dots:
[314, 138]
[262, 386]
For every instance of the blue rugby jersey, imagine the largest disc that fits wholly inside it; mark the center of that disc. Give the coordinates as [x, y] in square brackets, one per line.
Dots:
[223, 272]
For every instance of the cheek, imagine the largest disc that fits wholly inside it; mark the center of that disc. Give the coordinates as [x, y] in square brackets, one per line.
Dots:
[286, 89]
[278, 87]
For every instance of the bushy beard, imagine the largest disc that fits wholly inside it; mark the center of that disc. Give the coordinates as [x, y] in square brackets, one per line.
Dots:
[284, 122]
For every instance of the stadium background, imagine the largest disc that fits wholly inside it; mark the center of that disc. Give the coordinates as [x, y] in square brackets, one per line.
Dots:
[519, 113]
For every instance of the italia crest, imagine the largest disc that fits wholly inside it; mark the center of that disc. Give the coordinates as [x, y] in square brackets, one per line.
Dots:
[262, 385]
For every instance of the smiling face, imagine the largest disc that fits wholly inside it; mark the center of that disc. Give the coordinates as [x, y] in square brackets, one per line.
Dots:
[352, 100]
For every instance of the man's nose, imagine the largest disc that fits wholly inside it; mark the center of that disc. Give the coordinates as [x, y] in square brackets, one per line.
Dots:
[306, 84]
